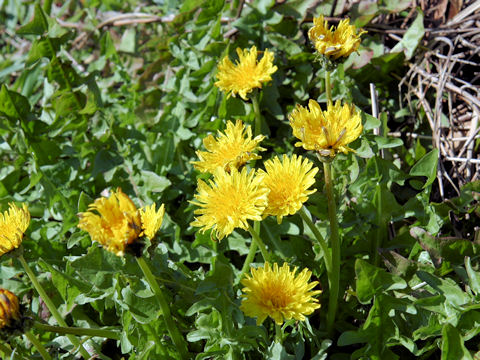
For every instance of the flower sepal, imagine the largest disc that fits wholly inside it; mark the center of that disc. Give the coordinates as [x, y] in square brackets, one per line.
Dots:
[325, 156]
[136, 248]
[15, 253]
[328, 63]
[13, 318]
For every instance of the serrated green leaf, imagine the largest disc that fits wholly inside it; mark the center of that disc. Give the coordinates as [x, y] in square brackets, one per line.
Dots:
[13, 105]
[387, 143]
[412, 37]
[473, 276]
[452, 345]
[38, 25]
[372, 280]
[426, 166]
[446, 287]
[153, 182]
[143, 309]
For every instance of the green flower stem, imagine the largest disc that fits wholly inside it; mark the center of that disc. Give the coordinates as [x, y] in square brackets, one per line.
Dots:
[33, 339]
[51, 306]
[258, 116]
[278, 333]
[381, 221]
[108, 334]
[252, 251]
[328, 88]
[177, 338]
[334, 276]
[256, 238]
[214, 259]
[327, 256]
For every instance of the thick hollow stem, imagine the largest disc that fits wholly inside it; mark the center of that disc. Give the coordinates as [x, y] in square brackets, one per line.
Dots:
[38, 345]
[258, 116]
[252, 251]
[335, 243]
[108, 334]
[327, 256]
[248, 260]
[177, 338]
[215, 255]
[381, 221]
[256, 238]
[278, 333]
[51, 306]
[328, 87]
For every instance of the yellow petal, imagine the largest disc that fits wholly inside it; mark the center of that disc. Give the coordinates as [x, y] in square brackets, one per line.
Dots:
[229, 201]
[151, 220]
[231, 149]
[13, 224]
[327, 132]
[241, 78]
[278, 293]
[334, 42]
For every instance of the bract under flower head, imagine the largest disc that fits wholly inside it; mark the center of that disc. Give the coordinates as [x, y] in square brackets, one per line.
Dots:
[115, 222]
[229, 201]
[334, 43]
[9, 308]
[327, 132]
[278, 293]
[289, 181]
[228, 150]
[247, 74]
[13, 224]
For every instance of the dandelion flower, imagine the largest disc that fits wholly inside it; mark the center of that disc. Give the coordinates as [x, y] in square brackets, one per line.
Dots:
[115, 222]
[151, 220]
[13, 224]
[247, 74]
[229, 201]
[327, 132]
[289, 181]
[278, 293]
[9, 309]
[231, 149]
[334, 43]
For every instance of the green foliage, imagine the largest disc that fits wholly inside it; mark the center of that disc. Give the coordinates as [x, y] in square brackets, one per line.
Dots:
[88, 104]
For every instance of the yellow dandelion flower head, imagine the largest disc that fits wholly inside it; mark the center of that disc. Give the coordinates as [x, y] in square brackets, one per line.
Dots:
[327, 132]
[115, 222]
[334, 43]
[151, 220]
[248, 73]
[13, 224]
[231, 149]
[289, 181]
[9, 308]
[229, 201]
[278, 293]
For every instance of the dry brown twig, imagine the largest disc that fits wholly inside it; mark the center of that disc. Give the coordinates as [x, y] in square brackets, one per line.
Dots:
[441, 84]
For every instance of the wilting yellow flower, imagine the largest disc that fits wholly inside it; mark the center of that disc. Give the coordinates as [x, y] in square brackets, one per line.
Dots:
[9, 308]
[231, 149]
[229, 201]
[278, 293]
[334, 43]
[289, 180]
[115, 222]
[151, 220]
[247, 74]
[327, 132]
[13, 224]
